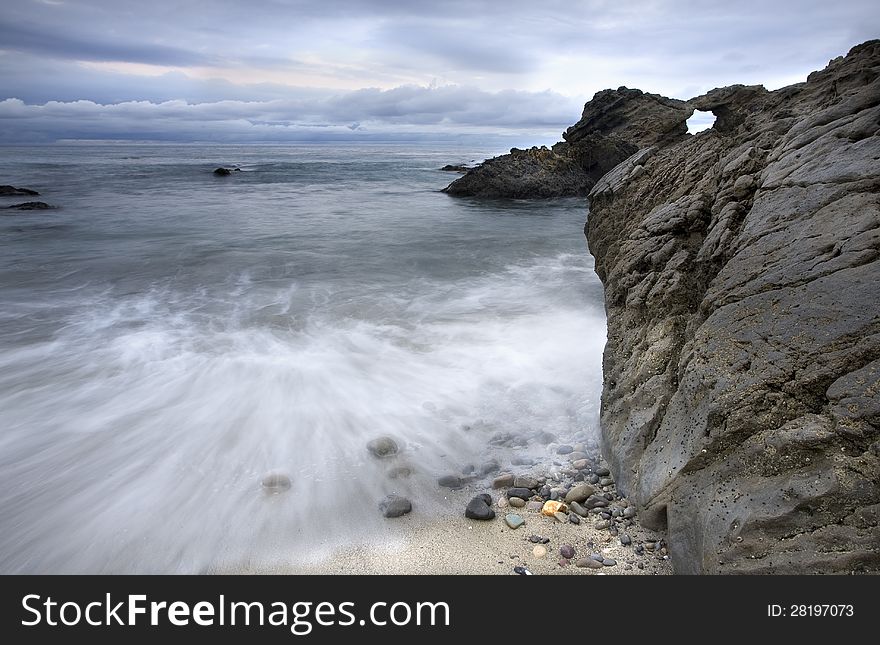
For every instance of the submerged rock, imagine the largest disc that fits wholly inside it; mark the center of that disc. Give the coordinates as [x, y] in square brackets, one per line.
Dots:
[395, 506]
[275, 483]
[450, 481]
[223, 172]
[30, 206]
[382, 447]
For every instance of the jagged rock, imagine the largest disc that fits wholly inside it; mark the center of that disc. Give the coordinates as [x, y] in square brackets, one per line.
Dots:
[741, 374]
[455, 168]
[12, 191]
[615, 124]
[223, 172]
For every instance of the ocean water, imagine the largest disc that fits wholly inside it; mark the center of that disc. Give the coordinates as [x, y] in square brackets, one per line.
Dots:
[167, 337]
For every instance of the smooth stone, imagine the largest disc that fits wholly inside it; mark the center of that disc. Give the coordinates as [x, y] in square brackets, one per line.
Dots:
[399, 472]
[595, 501]
[577, 508]
[450, 481]
[517, 502]
[275, 482]
[545, 491]
[625, 539]
[580, 447]
[561, 517]
[603, 472]
[514, 521]
[523, 493]
[641, 565]
[567, 551]
[382, 447]
[539, 551]
[563, 562]
[580, 464]
[552, 507]
[525, 481]
[594, 478]
[478, 509]
[489, 467]
[504, 480]
[574, 519]
[534, 505]
[577, 456]
[564, 449]
[395, 506]
[629, 512]
[603, 524]
[609, 562]
[588, 563]
[579, 493]
[598, 557]
[606, 481]
[502, 502]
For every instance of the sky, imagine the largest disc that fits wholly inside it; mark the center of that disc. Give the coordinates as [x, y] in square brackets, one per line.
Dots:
[306, 70]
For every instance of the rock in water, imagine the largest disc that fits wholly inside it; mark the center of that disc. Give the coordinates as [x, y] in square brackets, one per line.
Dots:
[275, 483]
[478, 509]
[382, 447]
[740, 269]
[395, 506]
[514, 521]
[450, 481]
[12, 191]
[30, 206]
[222, 172]
[525, 481]
[522, 493]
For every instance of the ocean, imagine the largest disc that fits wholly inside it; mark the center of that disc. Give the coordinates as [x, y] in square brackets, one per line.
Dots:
[168, 337]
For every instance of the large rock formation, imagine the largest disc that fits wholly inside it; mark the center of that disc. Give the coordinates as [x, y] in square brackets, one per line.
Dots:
[741, 403]
[614, 125]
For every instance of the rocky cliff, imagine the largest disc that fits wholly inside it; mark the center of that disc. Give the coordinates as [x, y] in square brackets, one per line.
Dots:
[741, 403]
[614, 125]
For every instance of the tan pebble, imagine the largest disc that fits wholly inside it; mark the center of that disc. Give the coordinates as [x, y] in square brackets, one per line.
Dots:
[539, 551]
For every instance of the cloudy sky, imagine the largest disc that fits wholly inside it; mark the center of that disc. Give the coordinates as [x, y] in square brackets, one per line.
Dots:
[283, 70]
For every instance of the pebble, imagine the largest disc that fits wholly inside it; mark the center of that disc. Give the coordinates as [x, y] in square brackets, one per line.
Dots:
[593, 479]
[567, 551]
[514, 521]
[552, 507]
[545, 492]
[545, 437]
[517, 502]
[609, 562]
[525, 481]
[588, 563]
[523, 493]
[522, 571]
[574, 519]
[580, 447]
[382, 447]
[522, 461]
[395, 506]
[577, 455]
[579, 493]
[450, 481]
[563, 562]
[641, 565]
[537, 539]
[580, 464]
[598, 557]
[504, 480]
[603, 472]
[629, 512]
[539, 552]
[489, 467]
[562, 517]
[604, 524]
[625, 539]
[640, 550]
[577, 508]
[650, 546]
[595, 501]
[478, 509]
[502, 502]
[275, 483]
[606, 481]
[534, 505]
[564, 449]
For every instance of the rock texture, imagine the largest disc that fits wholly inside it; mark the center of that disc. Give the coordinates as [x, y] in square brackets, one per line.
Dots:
[741, 403]
[614, 125]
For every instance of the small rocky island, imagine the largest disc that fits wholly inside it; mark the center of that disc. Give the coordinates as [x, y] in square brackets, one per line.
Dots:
[741, 266]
